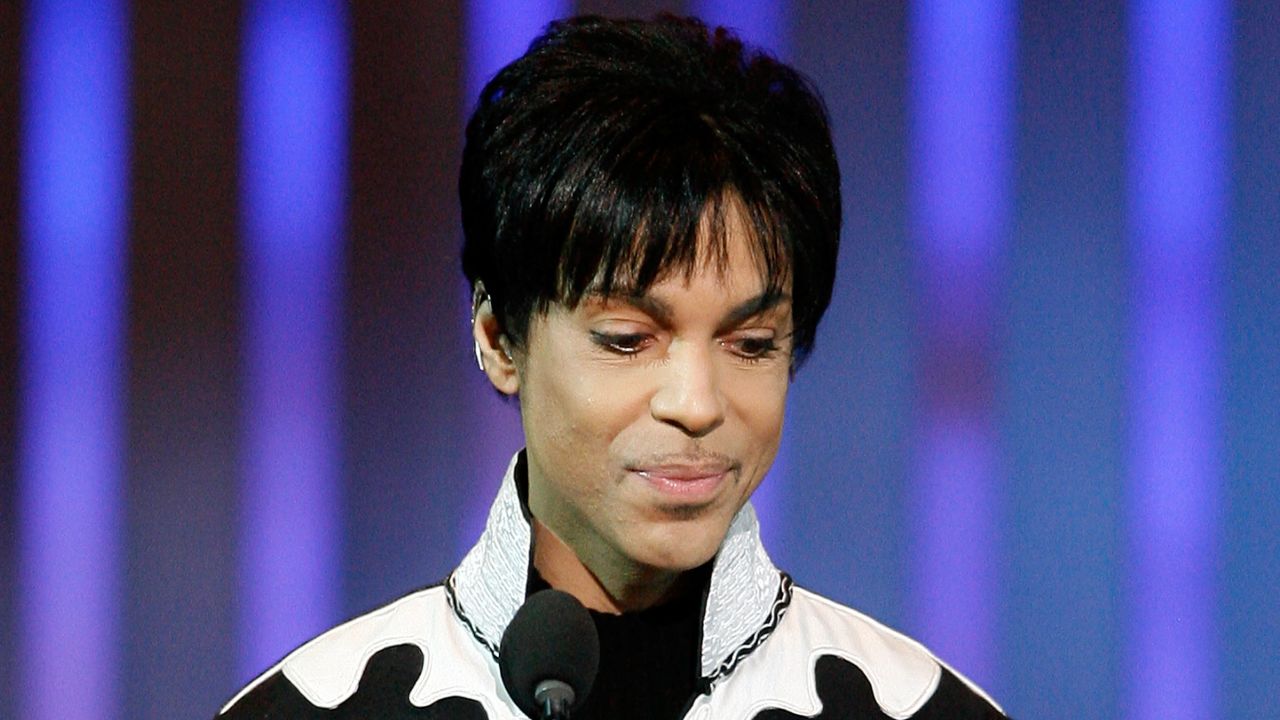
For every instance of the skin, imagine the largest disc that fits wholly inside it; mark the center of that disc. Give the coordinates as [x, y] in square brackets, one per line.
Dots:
[649, 421]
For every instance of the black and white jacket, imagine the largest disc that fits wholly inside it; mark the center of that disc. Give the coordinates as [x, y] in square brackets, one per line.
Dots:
[770, 650]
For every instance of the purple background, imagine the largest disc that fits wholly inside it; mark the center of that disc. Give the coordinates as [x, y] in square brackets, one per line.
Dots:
[1040, 430]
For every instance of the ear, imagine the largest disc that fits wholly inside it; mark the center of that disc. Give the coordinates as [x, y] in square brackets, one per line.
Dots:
[493, 351]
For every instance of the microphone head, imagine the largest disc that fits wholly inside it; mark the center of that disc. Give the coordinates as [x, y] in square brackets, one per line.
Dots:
[551, 637]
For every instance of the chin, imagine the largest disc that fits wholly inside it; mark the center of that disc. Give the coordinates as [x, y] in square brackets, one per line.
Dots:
[680, 551]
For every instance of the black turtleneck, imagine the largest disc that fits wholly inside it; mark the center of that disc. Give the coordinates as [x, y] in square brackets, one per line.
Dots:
[649, 660]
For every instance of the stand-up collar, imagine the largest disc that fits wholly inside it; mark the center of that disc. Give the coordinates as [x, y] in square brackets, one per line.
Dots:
[747, 597]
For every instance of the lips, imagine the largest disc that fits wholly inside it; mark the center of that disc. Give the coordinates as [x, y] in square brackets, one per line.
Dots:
[686, 482]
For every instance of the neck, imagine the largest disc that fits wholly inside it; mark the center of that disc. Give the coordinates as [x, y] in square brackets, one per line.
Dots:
[613, 590]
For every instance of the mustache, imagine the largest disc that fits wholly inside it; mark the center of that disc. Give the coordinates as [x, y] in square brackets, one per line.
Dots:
[696, 458]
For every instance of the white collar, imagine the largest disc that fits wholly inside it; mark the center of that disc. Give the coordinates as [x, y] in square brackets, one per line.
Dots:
[747, 598]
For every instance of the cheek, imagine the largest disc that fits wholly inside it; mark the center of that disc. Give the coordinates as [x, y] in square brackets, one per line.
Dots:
[761, 404]
[762, 401]
[580, 407]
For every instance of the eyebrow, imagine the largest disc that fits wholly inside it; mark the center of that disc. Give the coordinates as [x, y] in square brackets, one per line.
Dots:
[662, 312]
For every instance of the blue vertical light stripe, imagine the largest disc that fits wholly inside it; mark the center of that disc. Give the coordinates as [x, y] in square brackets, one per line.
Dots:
[496, 32]
[74, 170]
[294, 163]
[961, 108]
[1178, 156]
[499, 31]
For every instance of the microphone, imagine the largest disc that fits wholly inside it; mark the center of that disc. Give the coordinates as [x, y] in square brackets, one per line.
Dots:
[549, 655]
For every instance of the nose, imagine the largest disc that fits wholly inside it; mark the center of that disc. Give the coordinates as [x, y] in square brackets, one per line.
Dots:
[689, 395]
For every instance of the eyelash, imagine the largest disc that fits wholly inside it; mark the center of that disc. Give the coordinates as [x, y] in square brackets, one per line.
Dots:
[749, 349]
[625, 344]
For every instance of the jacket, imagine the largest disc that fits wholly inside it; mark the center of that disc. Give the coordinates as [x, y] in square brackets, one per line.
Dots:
[769, 650]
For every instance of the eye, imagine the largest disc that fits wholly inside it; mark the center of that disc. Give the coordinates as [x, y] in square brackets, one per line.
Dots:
[621, 343]
[753, 347]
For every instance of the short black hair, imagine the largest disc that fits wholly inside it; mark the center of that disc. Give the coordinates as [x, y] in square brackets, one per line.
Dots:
[591, 161]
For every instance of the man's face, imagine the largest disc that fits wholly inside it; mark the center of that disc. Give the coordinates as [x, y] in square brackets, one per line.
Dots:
[650, 420]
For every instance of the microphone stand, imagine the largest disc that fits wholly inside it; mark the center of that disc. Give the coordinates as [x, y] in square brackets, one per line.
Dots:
[554, 697]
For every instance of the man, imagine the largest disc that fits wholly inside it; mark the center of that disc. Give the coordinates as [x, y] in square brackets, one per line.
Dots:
[651, 219]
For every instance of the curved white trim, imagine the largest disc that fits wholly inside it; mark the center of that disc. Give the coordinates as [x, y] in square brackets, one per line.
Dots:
[903, 674]
[328, 669]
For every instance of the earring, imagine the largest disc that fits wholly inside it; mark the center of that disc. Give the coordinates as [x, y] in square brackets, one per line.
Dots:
[478, 297]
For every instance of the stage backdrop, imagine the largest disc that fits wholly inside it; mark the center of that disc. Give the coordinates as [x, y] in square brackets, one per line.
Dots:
[1040, 430]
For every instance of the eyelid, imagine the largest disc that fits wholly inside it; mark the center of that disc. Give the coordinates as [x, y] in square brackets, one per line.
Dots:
[771, 343]
[620, 343]
[770, 340]
[755, 328]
